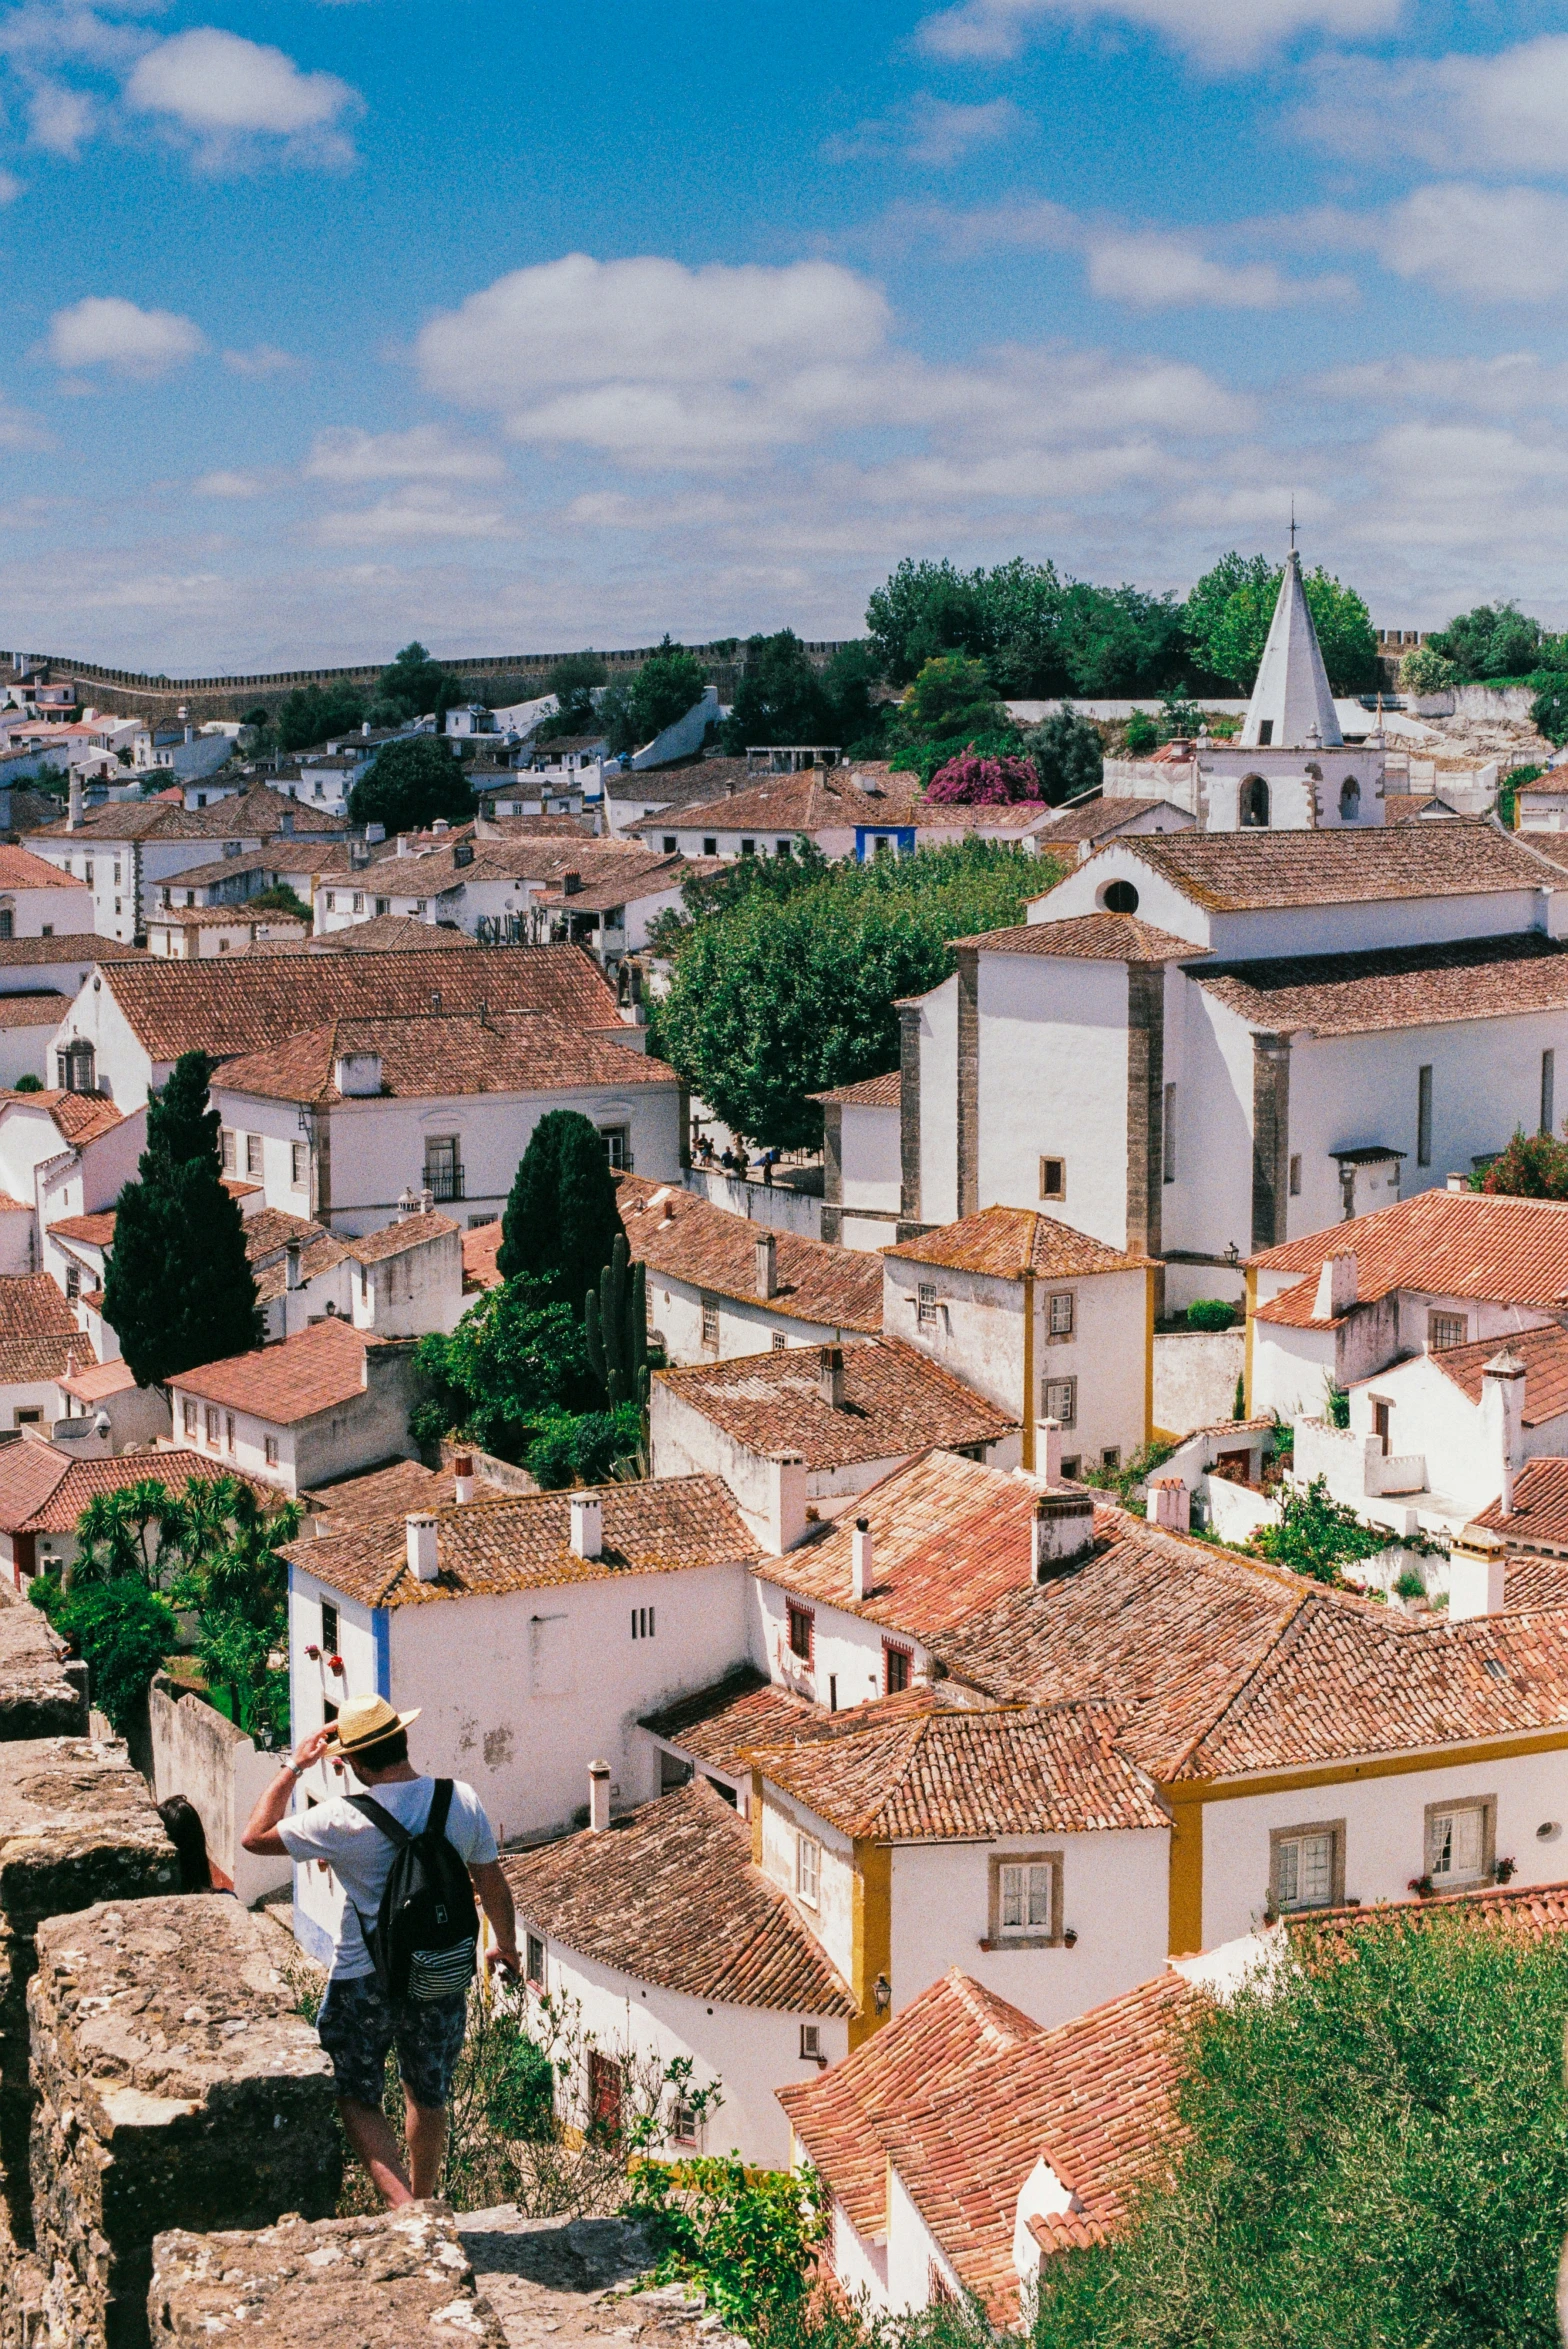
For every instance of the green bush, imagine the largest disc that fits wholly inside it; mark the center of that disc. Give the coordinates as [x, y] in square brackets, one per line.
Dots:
[122, 1630]
[1318, 1536]
[1212, 1313]
[1142, 736]
[745, 2235]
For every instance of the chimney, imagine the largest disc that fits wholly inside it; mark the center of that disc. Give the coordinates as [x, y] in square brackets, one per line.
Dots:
[1458, 1182]
[358, 1075]
[861, 1578]
[73, 819]
[571, 883]
[1169, 1504]
[786, 1503]
[1477, 1565]
[402, 844]
[1502, 1420]
[427, 1200]
[587, 1525]
[1048, 1451]
[1063, 1531]
[291, 1260]
[463, 1477]
[1336, 1286]
[830, 1377]
[599, 1797]
[767, 1265]
[421, 1527]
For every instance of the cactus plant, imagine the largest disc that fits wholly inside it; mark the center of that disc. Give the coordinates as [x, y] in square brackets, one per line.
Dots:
[615, 1326]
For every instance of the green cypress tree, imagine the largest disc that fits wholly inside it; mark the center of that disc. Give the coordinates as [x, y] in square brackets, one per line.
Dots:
[179, 1290]
[561, 1222]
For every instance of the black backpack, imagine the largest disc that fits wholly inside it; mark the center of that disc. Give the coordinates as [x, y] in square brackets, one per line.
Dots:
[425, 1940]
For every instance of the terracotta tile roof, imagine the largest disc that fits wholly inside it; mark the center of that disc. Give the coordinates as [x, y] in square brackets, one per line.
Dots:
[885, 1092]
[663, 1526]
[1531, 1909]
[1539, 1518]
[624, 884]
[1446, 1243]
[1094, 819]
[1397, 986]
[1240, 872]
[38, 1331]
[724, 1724]
[32, 1009]
[20, 869]
[82, 946]
[98, 1381]
[1544, 1353]
[95, 1231]
[1096, 937]
[396, 1239]
[210, 917]
[894, 1401]
[258, 813]
[479, 1253]
[961, 1774]
[816, 800]
[78, 1117]
[48, 1494]
[1007, 1242]
[392, 933]
[685, 1238]
[10, 1206]
[1404, 807]
[269, 1231]
[228, 1007]
[436, 1054]
[392, 1490]
[317, 1255]
[962, 2094]
[670, 1896]
[317, 1369]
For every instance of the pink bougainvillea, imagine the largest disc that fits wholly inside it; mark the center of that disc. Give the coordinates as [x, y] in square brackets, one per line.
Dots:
[972, 781]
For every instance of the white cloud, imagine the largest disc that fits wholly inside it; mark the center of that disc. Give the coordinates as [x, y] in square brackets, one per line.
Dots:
[1153, 270]
[19, 430]
[1492, 244]
[425, 453]
[225, 91]
[10, 187]
[1221, 32]
[60, 120]
[1514, 383]
[229, 485]
[1456, 113]
[261, 359]
[931, 131]
[105, 330]
[414, 513]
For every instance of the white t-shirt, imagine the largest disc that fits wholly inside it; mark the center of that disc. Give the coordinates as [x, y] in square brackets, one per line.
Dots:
[361, 1856]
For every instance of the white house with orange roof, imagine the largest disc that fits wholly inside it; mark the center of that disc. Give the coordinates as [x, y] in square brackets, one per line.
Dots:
[861, 1167]
[325, 1403]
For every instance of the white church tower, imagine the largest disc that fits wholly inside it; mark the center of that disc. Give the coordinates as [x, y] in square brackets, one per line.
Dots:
[1291, 769]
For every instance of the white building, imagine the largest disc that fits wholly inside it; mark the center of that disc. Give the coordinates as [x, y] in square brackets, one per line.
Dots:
[123, 853]
[846, 812]
[44, 1487]
[862, 1162]
[187, 933]
[39, 1343]
[37, 900]
[1046, 1322]
[328, 1402]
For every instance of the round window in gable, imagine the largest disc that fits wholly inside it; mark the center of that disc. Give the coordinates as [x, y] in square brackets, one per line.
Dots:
[1119, 897]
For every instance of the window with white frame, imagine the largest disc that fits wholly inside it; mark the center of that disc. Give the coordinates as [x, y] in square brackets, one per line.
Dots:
[212, 1426]
[808, 1869]
[925, 1306]
[1026, 1899]
[271, 1450]
[710, 1321]
[1307, 1865]
[1459, 1841]
[188, 1413]
[779, 1341]
[617, 1142]
[298, 1165]
[810, 2042]
[1059, 1400]
[253, 1154]
[1059, 1314]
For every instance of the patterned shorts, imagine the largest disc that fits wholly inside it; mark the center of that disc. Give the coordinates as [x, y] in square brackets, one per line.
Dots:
[358, 2023]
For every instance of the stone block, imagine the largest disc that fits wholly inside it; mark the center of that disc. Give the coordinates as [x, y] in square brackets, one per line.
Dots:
[41, 1695]
[376, 2283]
[77, 1825]
[175, 2083]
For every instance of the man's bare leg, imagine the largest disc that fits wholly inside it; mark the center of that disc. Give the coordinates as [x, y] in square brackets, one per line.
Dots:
[370, 2133]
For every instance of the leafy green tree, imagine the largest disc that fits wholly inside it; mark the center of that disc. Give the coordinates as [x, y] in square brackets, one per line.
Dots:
[1231, 631]
[788, 989]
[925, 609]
[1424, 670]
[951, 701]
[1205, 615]
[312, 712]
[613, 719]
[561, 1220]
[781, 698]
[1371, 2148]
[136, 1533]
[575, 680]
[1142, 735]
[586, 1447]
[516, 1359]
[1534, 1166]
[1492, 640]
[179, 1289]
[235, 1581]
[1549, 710]
[1024, 647]
[415, 686]
[1117, 640]
[1068, 756]
[123, 1631]
[670, 682]
[859, 718]
[410, 784]
[1317, 1535]
[280, 899]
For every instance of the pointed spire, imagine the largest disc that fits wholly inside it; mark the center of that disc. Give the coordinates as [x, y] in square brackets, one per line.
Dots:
[1291, 697]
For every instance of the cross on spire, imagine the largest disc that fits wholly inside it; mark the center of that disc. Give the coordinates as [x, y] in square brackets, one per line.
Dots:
[1292, 521]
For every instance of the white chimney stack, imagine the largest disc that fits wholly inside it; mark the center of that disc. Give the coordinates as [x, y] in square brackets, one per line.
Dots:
[830, 1377]
[1048, 1451]
[767, 1264]
[587, 1528]
[1502, 1420]
[1169, 1504]
[463, 1477]
[358, 1075]
[1336, 1286]
[291, 1261]
[598, 1797]
[1062, 1531]
[861, 1577]
[422, 1563]
[1477, 1573]
[73, 819]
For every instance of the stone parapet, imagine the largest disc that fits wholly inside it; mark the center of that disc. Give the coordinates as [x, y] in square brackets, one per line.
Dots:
[41, 1695]
[77, 1825]
[175, 2082]
[378, 2283]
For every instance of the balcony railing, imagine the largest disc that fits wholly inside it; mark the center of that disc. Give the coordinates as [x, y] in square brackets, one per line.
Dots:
[444, 1182]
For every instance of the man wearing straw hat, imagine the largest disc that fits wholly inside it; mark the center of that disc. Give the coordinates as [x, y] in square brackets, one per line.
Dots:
[359, 2020]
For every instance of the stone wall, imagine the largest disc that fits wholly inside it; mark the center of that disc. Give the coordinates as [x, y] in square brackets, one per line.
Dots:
[198, 1752]
[41, 1695]
[175, 2083]
[375, 2283]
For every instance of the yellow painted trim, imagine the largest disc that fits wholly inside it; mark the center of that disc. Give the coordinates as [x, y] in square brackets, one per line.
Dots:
[1252, 1307]
[1165, 1435]
[1028, 1410]
[1149, 1279]
[1453, 1757]
[871, 1935]
[1186, 1882]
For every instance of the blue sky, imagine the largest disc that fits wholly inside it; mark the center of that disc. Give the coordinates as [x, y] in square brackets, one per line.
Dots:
[520, 327]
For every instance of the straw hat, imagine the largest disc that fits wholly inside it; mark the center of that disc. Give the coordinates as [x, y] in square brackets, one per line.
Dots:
[365, 1721]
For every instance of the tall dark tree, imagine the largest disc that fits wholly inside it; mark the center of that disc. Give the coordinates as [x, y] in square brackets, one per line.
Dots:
[410, 784]
[574, 680]
[781, 697]
[179, 1290]
[561, 1222]
[669, 683]
[414, 686]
